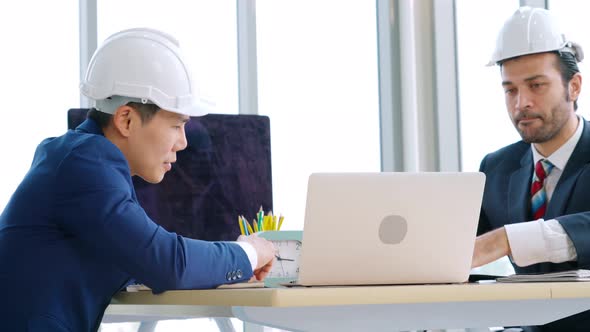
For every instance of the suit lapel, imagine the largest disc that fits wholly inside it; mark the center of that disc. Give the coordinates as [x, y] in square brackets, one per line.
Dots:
[579, 158]
[519, 190]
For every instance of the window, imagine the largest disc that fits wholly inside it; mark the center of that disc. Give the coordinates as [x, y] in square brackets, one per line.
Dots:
[485, 125]
[571, 16]
[318, 83]
[206, 30]
[40, 78]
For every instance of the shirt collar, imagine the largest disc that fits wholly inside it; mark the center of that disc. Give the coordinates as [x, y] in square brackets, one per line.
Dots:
[560, 157]
[90, 126]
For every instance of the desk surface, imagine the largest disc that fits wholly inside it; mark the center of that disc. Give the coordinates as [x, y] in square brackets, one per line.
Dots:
[353, 295]
[405, 307]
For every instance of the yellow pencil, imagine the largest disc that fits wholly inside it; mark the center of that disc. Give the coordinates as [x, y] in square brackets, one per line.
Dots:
[259, 216]
[280, 222]
[255, 224]
[249, 227]
[267, 224]
[241, 226]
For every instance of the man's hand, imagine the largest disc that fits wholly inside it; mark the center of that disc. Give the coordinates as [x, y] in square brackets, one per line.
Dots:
[490, 246]
[265, 252]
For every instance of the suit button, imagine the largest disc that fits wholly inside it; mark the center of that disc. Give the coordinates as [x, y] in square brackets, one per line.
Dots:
[233, 275]
[239, 274]
[228, 276]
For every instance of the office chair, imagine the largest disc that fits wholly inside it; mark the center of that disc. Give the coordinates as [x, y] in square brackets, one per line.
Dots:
[224, 172]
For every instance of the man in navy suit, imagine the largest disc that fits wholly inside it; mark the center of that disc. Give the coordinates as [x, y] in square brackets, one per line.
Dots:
[73, 233]
[537, 197]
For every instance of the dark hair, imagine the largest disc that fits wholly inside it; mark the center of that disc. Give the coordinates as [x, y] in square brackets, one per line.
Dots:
[568, 67]
[146, 113]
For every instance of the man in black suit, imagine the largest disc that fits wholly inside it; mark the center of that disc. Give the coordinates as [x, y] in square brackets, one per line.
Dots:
[536, 204]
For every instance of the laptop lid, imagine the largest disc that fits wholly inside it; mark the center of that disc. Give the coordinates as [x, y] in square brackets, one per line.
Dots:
[389, 228]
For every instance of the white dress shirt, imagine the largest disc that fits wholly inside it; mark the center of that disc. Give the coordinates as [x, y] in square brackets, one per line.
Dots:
[250, 252]
[545, 240]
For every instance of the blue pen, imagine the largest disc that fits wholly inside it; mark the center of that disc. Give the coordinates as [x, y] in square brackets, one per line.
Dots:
[245, 226]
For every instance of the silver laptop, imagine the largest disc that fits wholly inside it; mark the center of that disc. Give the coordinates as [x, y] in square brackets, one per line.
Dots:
[389, 228]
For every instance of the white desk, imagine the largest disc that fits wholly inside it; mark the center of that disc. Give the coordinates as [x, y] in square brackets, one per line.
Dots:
[369, 308]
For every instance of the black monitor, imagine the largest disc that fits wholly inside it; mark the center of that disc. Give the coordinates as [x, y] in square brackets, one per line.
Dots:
[224, 172]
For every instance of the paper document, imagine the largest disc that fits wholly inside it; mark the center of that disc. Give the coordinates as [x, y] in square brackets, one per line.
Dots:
[573, 275]
[256, 284]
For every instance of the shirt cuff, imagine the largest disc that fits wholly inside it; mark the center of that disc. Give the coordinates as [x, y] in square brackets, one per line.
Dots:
[559, 245]
[539, 241]
[250, 252]
[526, 242]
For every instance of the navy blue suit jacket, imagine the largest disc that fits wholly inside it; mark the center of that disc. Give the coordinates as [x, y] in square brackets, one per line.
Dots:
[506, 200]
[73, 234]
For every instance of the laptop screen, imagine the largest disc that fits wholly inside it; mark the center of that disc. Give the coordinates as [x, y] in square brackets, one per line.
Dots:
[224, 172]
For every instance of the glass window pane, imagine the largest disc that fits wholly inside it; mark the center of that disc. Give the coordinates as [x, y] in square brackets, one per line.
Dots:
[485, 125]
[572, 15]
[206, 30]
[40, 77]
[318, 82]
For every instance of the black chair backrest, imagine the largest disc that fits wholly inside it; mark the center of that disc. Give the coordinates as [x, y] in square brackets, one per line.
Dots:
[224, 172]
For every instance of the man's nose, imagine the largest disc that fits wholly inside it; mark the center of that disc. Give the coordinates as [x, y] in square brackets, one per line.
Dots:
[181, 142]
[523, 100]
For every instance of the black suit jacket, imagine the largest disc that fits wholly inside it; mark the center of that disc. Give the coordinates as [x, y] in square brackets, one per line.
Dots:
[506, 200]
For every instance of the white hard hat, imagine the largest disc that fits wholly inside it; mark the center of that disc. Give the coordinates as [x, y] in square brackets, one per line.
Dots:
[143, 65]
[532, 30]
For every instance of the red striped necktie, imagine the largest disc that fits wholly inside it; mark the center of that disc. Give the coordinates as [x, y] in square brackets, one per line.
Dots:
[538, 194]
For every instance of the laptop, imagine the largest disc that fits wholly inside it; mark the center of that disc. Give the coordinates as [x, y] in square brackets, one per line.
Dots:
[389, 228]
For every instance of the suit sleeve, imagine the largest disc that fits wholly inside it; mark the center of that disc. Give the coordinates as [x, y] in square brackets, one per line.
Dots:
[577, 227]
[95, 204]
[484, 225]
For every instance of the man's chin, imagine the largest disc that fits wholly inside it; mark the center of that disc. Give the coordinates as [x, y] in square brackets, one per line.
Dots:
[536, 139]
[153, 179]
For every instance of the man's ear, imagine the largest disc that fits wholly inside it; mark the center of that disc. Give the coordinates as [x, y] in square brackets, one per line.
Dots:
[575, 86]
[122, 119]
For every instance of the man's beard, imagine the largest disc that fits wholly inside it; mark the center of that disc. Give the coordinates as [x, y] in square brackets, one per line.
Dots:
[543, 134]
[549, 129]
